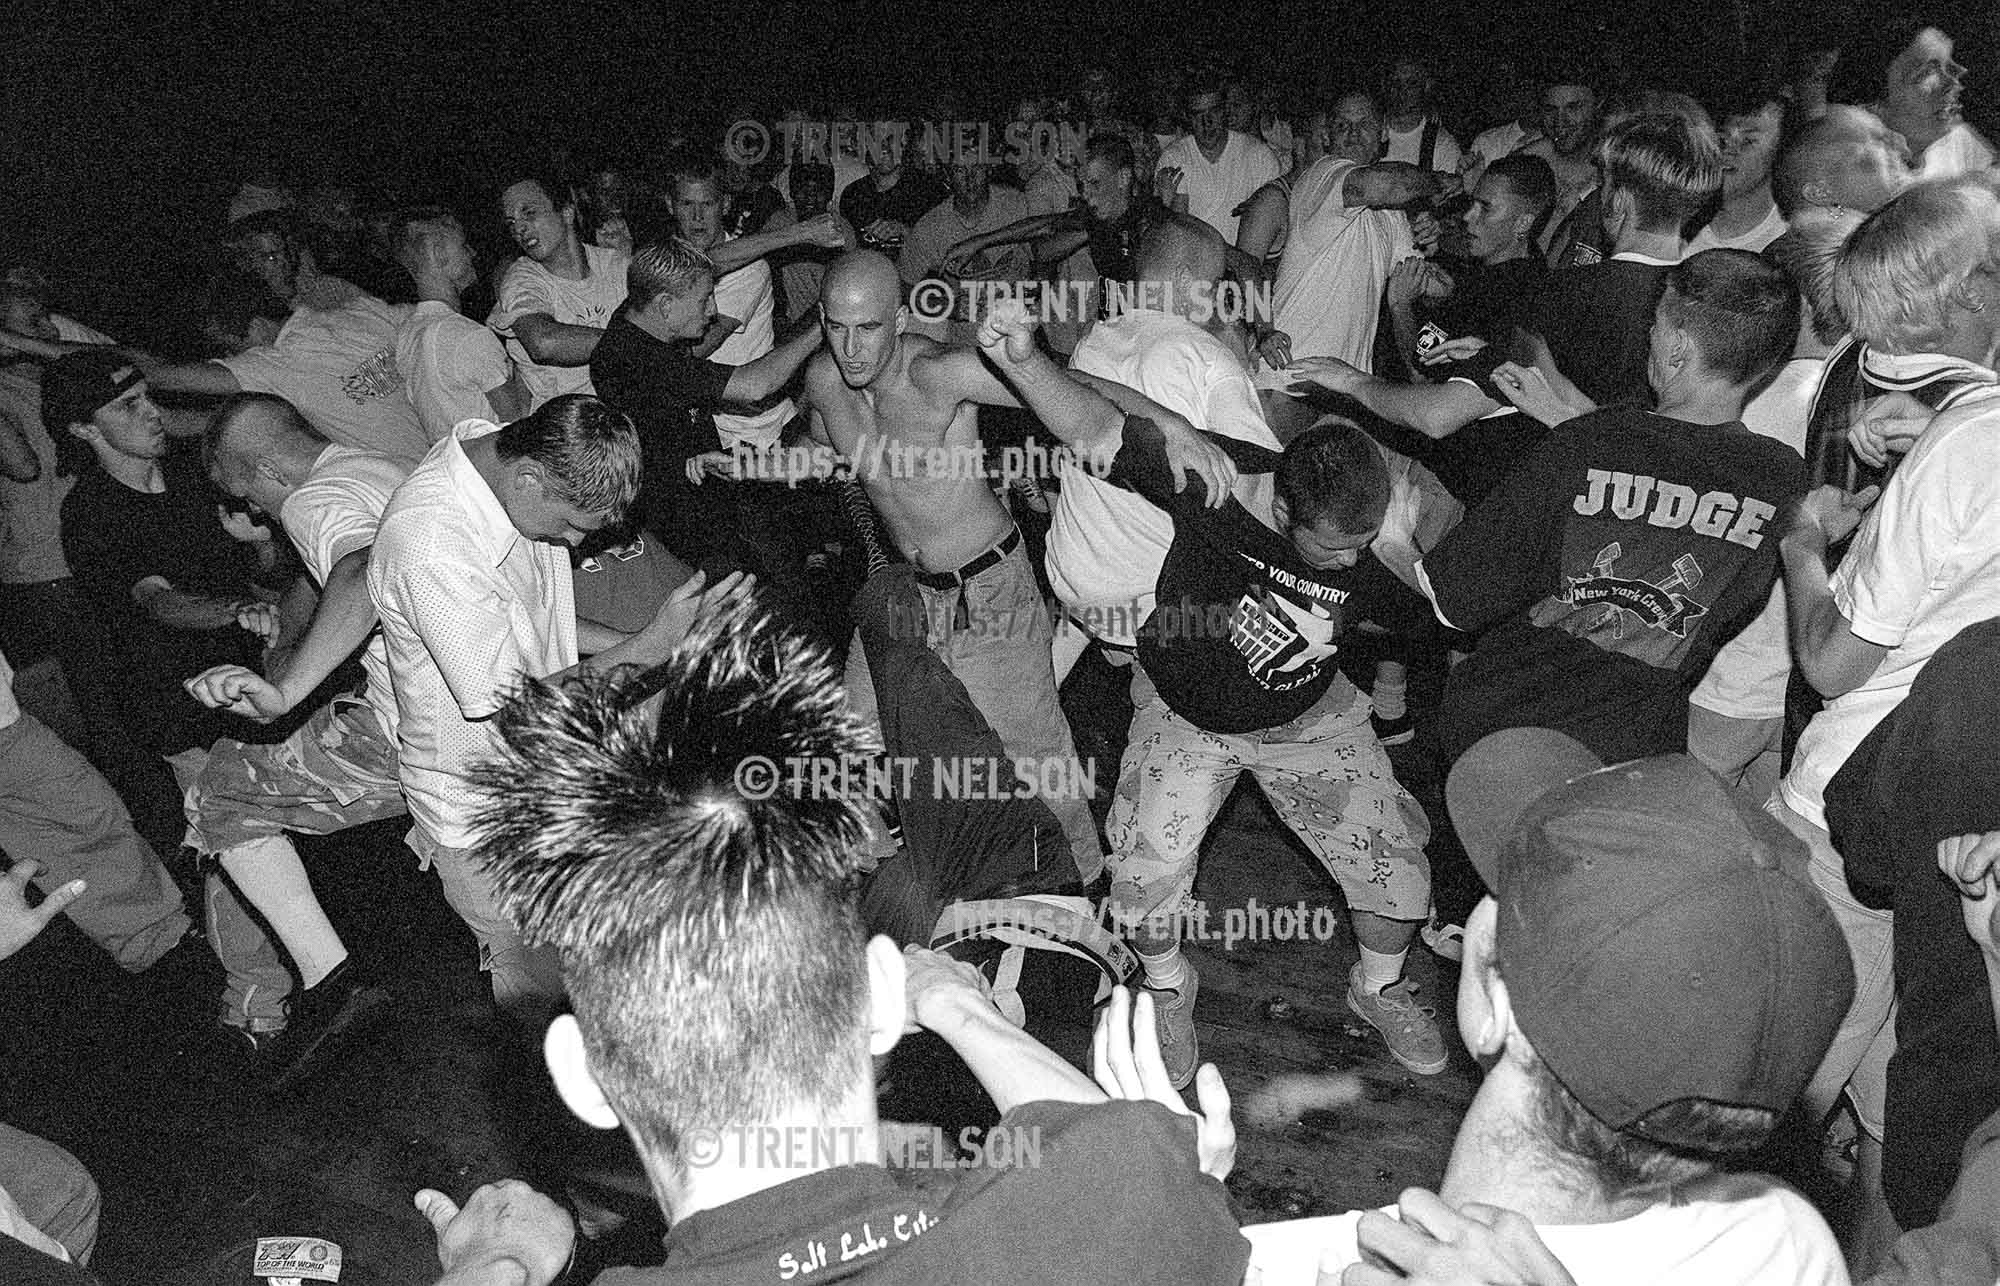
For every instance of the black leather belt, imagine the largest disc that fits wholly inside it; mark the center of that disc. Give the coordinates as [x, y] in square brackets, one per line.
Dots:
[991, 558]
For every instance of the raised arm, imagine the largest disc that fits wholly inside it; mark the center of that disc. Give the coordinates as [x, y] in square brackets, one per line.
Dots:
[1387, 185]
[345, 619]
[755, 381]
[827, 231]
[1434, 410]
[554, 343]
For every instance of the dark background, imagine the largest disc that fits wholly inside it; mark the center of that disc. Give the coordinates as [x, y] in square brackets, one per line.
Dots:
[127, 126]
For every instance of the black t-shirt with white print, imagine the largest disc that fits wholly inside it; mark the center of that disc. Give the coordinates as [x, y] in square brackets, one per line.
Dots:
[1602, 576]
[1243, 633]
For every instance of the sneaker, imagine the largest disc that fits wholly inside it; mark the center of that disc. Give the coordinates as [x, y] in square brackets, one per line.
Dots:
[1394, 732]
[1446, 941]
[327, 1018]
[1173, 1018]
[1410, 1028]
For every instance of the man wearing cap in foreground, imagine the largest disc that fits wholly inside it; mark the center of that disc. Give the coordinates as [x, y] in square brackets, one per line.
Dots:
[1649, 987]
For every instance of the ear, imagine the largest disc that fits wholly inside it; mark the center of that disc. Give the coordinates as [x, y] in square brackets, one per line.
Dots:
[1281, 513]
[86, 432]
[562, 1049]
[1488, 1014]
[1816, 194]
[528, 480]
[902, 318]
[888, 1003]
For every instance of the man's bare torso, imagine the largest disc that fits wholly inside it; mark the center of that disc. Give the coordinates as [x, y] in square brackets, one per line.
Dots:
[915, 448]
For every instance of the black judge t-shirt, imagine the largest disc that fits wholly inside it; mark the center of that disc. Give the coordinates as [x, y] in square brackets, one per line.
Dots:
[1243, 633]
[1603, 575]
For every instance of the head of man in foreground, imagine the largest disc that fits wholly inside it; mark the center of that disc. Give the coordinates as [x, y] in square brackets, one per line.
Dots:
[718, 971]
[1653, 980]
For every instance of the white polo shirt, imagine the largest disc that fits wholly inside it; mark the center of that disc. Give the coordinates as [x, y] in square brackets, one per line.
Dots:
[1925, 564]
[470, 608]
[449, 363]
[335, 512]
[1106, 545]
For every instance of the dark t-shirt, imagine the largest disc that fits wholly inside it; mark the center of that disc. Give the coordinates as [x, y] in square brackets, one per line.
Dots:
[1604, 573]
[115, 537]
[1243, 634]
[1598, 324]
[1099, 1193]
[1489, 300]
[914, 196]
[671, 396]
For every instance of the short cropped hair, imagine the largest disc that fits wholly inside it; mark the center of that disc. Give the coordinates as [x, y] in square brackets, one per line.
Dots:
[693, 165]
[589, 451]
[712, 949]
[232, 409]
[282, 224]
[1740, 308]
[1334, 472]
[1114, 150]
[1670, 162]
[561, 192]
[1531, 179]
[1894, 278]
[410, 222]
[1625, 1165]
[669, 267]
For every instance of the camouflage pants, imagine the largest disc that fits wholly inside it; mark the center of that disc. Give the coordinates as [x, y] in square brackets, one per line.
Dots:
[1325, 775]
[338, 770]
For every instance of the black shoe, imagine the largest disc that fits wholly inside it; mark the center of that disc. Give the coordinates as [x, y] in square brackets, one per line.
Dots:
[1394, 732]
[326, 1018]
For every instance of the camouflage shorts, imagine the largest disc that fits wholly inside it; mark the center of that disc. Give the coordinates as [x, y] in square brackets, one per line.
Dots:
[338, 770]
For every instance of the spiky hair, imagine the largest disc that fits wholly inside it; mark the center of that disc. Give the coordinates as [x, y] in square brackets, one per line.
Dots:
[709, 939]
[615, 806]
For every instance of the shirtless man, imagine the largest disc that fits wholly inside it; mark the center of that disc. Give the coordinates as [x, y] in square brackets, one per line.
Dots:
[902, 408]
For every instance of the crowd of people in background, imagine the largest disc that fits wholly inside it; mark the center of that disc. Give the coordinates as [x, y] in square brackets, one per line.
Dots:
[1661, 425]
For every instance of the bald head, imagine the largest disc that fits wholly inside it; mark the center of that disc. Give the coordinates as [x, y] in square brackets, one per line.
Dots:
[258, 448]
[1847, 159]
[1182, 246]
[866, 279]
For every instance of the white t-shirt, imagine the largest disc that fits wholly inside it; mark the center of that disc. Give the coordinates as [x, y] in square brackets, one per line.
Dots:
[338, 367]
[1215, 189]
[469, 608]
[1105, 544]
[746, 295]
[334, 512]
[1734, 1229]
[449, 363]
[10, 709]
[1768, 229]
[1405, 145]
[1925, 564]
[1338, 257]
[1960, 151]
[1748, 676]
[528, 288]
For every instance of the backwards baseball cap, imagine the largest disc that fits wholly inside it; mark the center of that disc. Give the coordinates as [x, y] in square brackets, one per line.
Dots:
[76, 386]
[1656, 943]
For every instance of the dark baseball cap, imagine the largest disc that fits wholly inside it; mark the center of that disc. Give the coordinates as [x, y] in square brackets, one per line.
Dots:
[76, 386]
[1658, 938]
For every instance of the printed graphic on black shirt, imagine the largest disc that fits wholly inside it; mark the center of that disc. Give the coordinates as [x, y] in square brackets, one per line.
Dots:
[1632, 579]
[1285, 640]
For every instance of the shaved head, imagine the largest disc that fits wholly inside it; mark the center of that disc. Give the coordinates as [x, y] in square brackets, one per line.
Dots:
[260, 422]
[866, 278]
[861, 311]
[1181, 244]
[1848, 158]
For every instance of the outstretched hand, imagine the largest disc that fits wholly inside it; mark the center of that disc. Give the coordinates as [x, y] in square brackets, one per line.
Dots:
[1007, 332]
[1126, 1063]
[19, 922]
[239, 690]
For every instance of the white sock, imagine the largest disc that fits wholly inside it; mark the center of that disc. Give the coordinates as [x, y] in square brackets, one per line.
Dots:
[1380, 969]
[1390, 696]
[269, 875]
[1165, 972]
